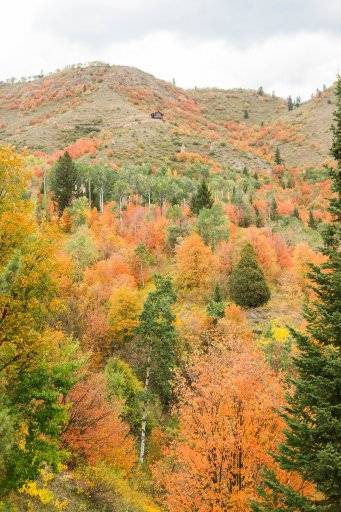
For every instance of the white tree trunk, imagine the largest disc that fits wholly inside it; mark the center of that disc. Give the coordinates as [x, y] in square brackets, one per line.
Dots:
[144, 418]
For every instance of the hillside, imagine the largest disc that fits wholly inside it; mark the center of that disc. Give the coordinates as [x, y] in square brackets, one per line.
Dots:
[112, 104]
[153, 282]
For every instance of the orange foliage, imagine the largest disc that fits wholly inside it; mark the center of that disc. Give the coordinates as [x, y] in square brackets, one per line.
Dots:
[227, 427]
[95, 430]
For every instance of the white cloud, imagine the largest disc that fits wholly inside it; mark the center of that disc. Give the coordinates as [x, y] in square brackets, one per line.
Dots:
[293, 62]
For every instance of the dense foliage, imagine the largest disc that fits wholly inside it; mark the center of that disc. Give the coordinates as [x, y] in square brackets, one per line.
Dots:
[151, 312]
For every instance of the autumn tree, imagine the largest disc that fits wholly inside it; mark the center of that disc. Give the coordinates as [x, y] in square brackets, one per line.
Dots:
[38, 364]
[201, 199]
[311, 447]
[124, 313]
[248, 287]
[227, 426]
[159, 345]
[195, 265]
[95, 431]
[63, 181]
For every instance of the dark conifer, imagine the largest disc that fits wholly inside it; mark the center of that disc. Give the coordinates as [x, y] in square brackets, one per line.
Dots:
[64, 181]
[202, 199]
[312, 443]
[248, 287]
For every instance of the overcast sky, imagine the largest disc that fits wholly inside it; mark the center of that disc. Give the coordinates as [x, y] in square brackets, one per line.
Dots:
[289, 46]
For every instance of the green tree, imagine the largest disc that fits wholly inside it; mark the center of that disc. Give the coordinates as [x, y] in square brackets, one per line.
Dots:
[246, 114]
[248, 287]
[312, 444]
[159, 345]
[296, 213]
[311, 220]
[125, 386]
[273, 210]
[202, 199]
[290, 103]
[63, 181]
[216, 306]
[277, 158]
[212, 225]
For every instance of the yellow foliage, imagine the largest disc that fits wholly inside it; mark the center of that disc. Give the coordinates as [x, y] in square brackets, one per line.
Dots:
[31, 489]
[279, 333]
[124, 312]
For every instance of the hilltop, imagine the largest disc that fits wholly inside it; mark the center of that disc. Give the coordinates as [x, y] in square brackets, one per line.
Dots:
[112, 105]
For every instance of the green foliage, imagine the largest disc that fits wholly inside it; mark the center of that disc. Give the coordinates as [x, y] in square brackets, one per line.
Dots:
[290, 103]
[273, 210]
[63, 181]
[311, 220]
[277, 158]
[38, 415]
[82, 248]
[248, 287]
[124, 385]
[212, 225]
[202, 199]
[158, 337]
[312, 444]
[78, 211]
[216, 306]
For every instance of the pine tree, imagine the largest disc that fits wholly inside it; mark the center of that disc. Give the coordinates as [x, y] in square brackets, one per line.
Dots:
[290, 103]
[159, 345]
[278, 158]
[216, 306]
[64, 181]
[312, 444]
[273, 210]
[246, 114]
[248, 287]
[202, 199]
[296, 213]
[258, 218]
[312, 221]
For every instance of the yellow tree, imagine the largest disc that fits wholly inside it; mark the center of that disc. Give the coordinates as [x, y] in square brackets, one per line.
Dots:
[195, 266]
[124, 312]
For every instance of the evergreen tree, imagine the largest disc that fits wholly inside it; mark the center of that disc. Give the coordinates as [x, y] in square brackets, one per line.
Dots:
[312, 444]
[248, 287]
[202, 199]
[64, 182]
[273, 210]
[278, 158]
[246, 114]
[298, 101]
[290, 103]
[216, 306]
[312, 221]
[258, 218]
[260, 91]
[296, 213]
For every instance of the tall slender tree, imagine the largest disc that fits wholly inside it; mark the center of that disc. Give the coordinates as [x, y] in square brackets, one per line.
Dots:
[158, 337]
[312, 443]
[64, 181]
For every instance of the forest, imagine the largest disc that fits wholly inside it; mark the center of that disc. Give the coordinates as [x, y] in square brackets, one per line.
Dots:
[170, 332]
